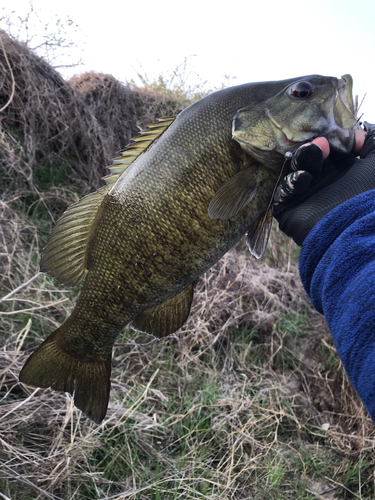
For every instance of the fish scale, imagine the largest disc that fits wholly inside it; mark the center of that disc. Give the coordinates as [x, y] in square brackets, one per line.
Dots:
[176, 200]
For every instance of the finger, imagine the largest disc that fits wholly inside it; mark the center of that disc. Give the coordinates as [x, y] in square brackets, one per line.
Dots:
[294, 184]
[309, 157]
[368, 147]
[323, 144]
[359, 140]
[368, 126]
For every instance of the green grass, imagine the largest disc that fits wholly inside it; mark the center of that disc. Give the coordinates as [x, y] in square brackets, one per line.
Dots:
[50, 176]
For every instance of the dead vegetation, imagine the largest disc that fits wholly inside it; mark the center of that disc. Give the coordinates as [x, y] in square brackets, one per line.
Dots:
[73, 128]
[247, 401]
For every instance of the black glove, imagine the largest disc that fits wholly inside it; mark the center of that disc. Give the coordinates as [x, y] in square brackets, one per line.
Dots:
[305, 196]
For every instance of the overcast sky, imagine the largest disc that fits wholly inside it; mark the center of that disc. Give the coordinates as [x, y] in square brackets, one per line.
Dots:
[250, 41]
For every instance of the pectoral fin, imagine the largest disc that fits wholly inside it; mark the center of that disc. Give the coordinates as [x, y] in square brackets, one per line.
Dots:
[234, 195]
[259, 233]
[167, 317]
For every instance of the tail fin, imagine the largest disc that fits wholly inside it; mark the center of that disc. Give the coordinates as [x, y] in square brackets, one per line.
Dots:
[88, 382]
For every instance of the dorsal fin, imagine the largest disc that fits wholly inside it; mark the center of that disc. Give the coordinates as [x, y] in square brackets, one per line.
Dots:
[137, 146]
[64, 257]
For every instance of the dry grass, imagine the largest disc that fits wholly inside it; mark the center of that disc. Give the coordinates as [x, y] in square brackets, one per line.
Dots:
[67, 132]
[247, 401]
[236, 405]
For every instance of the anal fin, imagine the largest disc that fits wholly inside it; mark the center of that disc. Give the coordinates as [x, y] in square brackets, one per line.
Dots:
[167, 317]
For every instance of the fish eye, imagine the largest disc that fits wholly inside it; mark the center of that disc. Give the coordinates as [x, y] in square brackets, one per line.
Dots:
[301, 89]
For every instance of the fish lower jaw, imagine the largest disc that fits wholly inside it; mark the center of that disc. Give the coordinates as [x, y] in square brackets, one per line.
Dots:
[341, 141]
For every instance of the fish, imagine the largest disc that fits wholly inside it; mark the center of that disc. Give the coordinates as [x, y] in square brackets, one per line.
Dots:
[177, 198]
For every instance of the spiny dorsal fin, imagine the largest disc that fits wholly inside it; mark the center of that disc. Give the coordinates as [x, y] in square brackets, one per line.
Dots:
[64, 257]
[167, 317]
[136, 147]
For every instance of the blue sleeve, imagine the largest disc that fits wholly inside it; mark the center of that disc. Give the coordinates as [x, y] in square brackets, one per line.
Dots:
[337, 268]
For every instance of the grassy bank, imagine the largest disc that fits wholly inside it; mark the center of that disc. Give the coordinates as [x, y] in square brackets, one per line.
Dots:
[247, 401]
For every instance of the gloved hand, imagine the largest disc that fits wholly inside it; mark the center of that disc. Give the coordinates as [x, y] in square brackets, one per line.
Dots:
[317, 186]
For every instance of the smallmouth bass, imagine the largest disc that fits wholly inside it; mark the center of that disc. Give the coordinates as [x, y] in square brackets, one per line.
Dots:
[177, 199]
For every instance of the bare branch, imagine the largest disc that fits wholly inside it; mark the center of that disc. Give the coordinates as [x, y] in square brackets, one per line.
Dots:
[49, 37]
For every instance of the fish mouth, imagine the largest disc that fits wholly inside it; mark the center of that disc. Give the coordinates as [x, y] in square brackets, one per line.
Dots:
[345, 91]
[341, 113]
